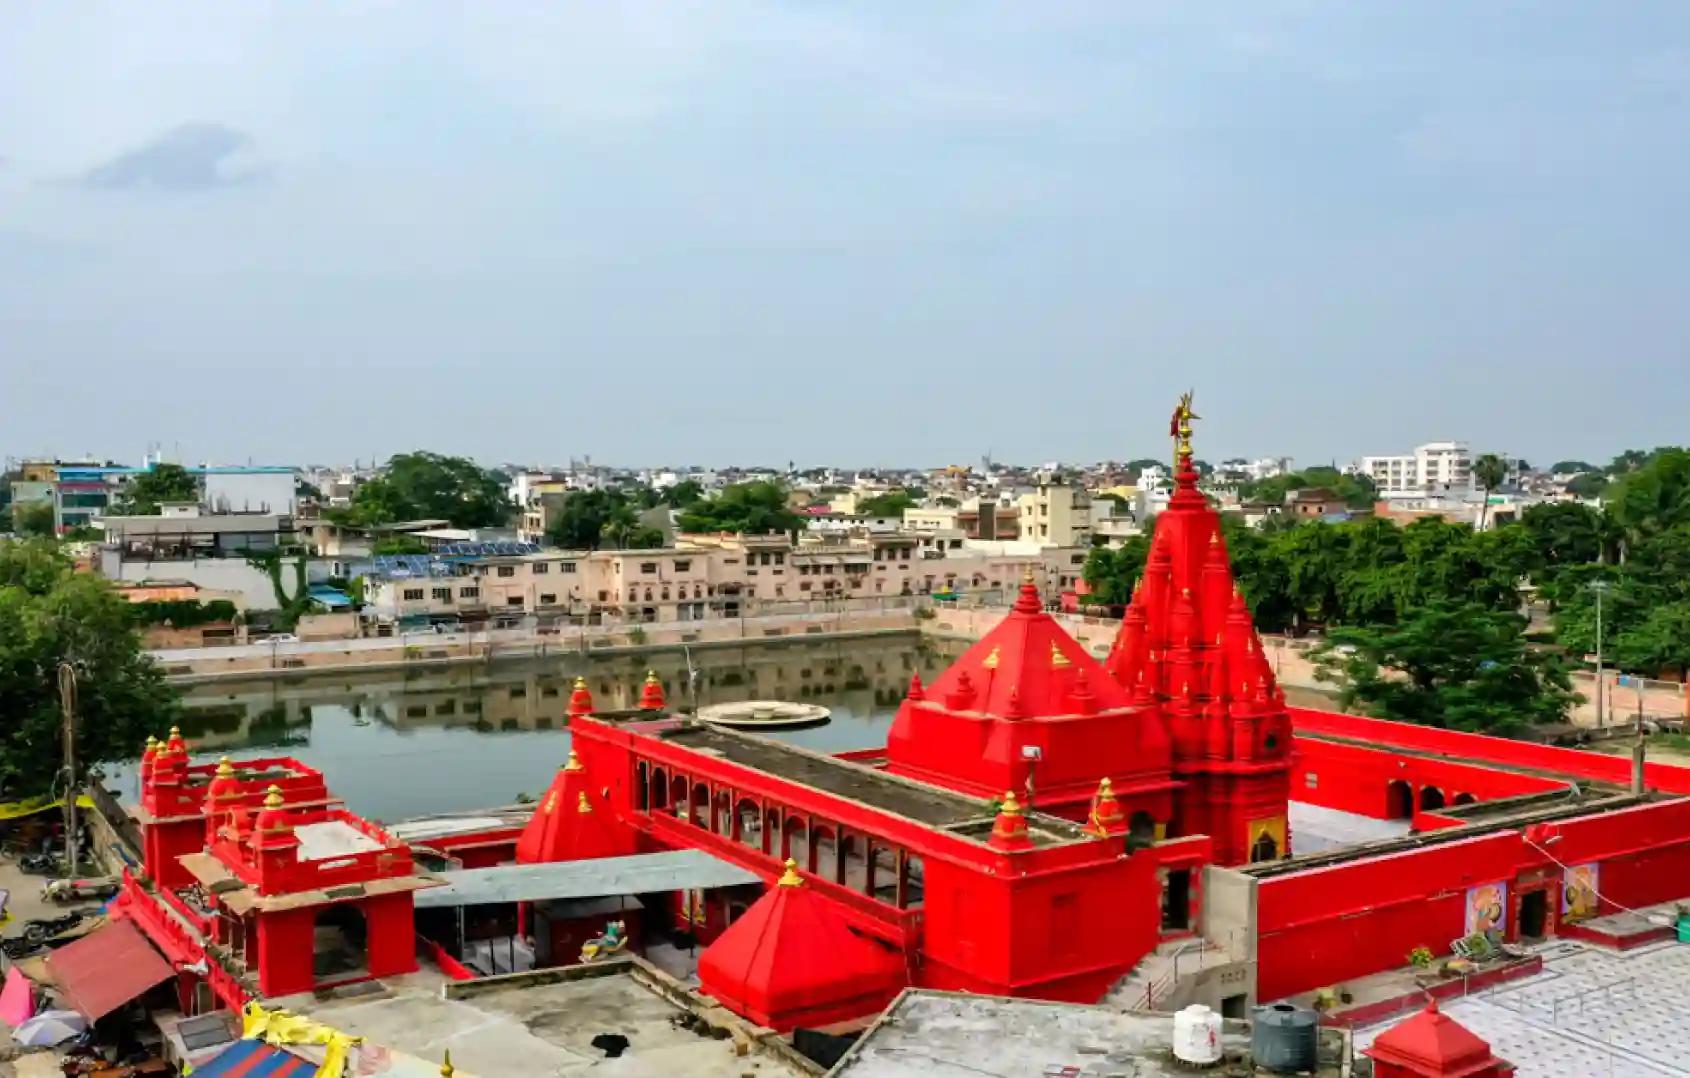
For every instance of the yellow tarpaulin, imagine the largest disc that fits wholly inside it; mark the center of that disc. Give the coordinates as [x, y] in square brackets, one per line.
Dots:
[11, 810]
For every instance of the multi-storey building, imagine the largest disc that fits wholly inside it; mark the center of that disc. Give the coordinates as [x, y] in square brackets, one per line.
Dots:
[1434, 466]
[1055, 513]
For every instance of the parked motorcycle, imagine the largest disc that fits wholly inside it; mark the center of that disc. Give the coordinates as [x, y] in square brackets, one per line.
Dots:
[79, 889]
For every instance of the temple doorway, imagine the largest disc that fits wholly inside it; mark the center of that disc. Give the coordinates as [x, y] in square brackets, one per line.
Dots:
[1176, 900]
[1399, 800]
[340, 944]
[1534, 914]
[1265, 848]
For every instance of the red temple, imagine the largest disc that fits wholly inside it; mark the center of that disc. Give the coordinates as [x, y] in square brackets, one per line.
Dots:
[1038, 823]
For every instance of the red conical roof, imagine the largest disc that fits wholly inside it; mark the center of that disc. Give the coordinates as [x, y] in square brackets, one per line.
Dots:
[791, 960]
[1026, 667]
[1435, 1045]
[569, 825]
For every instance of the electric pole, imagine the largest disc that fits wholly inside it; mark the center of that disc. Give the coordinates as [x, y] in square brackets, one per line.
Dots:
[67, 707]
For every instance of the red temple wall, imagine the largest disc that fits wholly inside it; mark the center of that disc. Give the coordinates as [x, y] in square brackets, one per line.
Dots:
[1328, 925]
[1574, 762]
[1357, 779]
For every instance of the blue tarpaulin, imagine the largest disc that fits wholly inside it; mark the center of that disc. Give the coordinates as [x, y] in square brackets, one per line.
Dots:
[255, 1059]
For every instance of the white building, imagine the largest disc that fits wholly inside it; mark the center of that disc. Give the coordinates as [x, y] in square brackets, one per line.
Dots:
[1435, 466]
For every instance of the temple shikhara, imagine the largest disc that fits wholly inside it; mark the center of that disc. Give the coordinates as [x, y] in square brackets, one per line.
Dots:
[1046, 820]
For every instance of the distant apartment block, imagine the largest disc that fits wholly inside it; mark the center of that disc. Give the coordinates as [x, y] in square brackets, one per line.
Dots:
[1055, 513]
[1435, 466]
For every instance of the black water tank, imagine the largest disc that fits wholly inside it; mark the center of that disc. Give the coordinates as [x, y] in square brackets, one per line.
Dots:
[1285, 1038]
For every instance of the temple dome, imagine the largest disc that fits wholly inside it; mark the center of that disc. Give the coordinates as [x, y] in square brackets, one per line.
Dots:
[1433, 1044]
[570, 824]
[791, 960]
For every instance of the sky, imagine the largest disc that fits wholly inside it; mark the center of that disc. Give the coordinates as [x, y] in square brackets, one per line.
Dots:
[876, 233]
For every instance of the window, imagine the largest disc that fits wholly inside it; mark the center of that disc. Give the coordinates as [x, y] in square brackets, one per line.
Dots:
[804, 585]
[413, 595]
[541, 568]
[443, 595]
[548, 599]
[648, 567]
[683, 565]
[469, 593]
[513, 600]
[780, 559]
[507, 570]
[566, 567]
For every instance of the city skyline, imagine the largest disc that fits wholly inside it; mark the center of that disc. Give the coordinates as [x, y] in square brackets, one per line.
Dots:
[772, 232]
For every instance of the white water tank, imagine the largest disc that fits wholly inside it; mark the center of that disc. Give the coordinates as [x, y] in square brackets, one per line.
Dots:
[1197, 1035]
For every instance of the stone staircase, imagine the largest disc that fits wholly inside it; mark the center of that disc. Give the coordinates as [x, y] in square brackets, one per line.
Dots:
[1154, 984]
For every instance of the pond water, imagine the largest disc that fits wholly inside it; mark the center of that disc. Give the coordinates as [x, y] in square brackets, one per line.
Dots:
[469, 736]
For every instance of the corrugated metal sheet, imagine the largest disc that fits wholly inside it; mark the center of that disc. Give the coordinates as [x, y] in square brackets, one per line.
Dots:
[107, 968]
[255, 1059]
[676, 870]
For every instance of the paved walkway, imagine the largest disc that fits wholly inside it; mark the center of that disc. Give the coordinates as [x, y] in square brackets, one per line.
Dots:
[1591, 1012]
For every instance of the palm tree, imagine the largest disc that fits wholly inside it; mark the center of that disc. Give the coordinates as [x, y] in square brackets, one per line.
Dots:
[1489, 471]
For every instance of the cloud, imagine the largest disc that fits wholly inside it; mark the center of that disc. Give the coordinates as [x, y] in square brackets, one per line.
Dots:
[192, 157]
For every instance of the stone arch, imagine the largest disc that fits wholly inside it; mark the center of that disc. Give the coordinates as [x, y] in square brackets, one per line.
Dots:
[853, 864]
[748, 823]
[795, 842]
[659, 788]
[678, 795]
[1399, 800]
[824, 850]
[699, 810]
[1141, 828]
[1463, 799]
[1431, 798]
[725, 813]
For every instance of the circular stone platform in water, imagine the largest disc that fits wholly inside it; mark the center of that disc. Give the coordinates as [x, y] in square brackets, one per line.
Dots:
[764, 714]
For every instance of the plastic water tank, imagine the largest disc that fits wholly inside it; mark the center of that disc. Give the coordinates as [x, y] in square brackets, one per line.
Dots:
[1197, 1035]
[1285, 1038]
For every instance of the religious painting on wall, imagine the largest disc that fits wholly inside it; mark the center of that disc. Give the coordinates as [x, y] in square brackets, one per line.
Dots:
[1487, 908]
[1579, 895]
[1266, 839]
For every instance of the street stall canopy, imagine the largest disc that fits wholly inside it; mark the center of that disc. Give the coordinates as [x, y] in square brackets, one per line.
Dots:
[105, 969]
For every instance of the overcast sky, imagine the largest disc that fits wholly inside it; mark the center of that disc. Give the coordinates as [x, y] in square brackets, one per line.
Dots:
[856, 233]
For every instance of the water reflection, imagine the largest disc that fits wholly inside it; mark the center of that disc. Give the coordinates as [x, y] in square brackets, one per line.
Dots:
[448, 739]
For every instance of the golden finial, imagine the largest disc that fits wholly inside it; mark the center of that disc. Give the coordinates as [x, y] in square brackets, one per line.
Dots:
[573, 763]
[1027, 577]
[152, 742]
[651, 677]
[1010, 806]
[790, 877]
[1057, 659]
[991, 662]
[580, 682]
[1214, 537]
[273, 797]
[1105, 788]
[175, 731]
[224, 768]
[446, 1069]
[582, 805]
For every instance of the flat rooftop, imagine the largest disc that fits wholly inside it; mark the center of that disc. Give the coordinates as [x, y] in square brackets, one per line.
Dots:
[1592, 1011]
[539, 1029]
[927, 1034]
[913, 800]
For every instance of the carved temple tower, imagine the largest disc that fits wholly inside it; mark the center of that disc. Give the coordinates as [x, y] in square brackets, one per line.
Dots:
[1187, 647]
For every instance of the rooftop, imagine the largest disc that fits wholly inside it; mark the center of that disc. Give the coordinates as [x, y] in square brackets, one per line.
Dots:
[927, 1034]
[544, 1025]
[908, 798]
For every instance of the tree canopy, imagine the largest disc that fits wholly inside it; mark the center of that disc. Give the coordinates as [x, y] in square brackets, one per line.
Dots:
[1357, 491]
[590, 519]
[158, 485]
[1457, 665]
[430, 486]
[49, 615]
[754, 508]
[891, 504]
[33, 519]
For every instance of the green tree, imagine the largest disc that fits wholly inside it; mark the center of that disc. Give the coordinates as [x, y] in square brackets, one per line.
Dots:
[159, 484]
[33, 519]
[1455, 665]
[1488, 472]
[1658, 642]
[1111, 575]
[430, 486]
[1653, 496]
[1571, 467]
[1587, 485]
[49, 615]
[399, 544]
[753, 508]
[682, 494]
[579, 521]
[1565, 534]
[891, 504]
